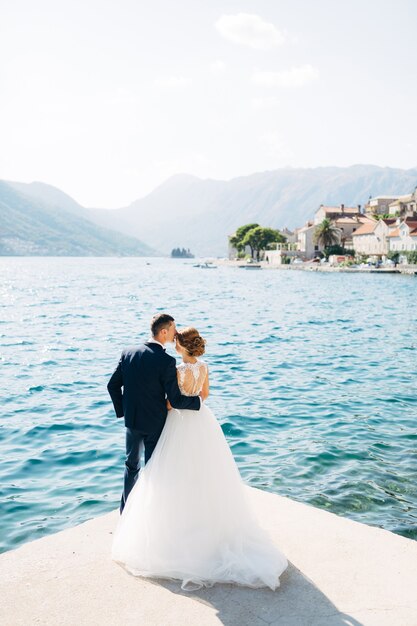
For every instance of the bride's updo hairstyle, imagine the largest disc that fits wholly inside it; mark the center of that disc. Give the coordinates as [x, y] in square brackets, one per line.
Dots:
[190, 339]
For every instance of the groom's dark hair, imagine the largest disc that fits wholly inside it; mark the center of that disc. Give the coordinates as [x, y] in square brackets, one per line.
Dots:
[160, 321]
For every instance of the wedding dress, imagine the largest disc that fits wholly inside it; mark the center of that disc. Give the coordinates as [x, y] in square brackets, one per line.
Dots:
[188, 516]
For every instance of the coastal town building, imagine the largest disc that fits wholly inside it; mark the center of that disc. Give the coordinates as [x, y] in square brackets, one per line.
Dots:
[405, 206]
[305, 240]
[283, 253]
[403, 238]
[371, 238]
[380, 205]
[335, 212]
[363, 230]
[290, 235]
[347, 227]
[347, 220]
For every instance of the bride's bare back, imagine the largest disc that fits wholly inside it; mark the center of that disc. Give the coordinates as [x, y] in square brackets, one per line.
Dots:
[193, 378]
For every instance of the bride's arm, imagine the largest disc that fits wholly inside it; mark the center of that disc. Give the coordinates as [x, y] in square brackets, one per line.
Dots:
[205, 390]
[169, 405]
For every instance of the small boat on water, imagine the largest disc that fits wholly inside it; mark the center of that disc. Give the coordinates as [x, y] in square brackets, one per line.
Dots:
[250, 264]
[206, 266]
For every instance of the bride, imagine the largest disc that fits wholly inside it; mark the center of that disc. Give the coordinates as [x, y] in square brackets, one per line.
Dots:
[188, 516]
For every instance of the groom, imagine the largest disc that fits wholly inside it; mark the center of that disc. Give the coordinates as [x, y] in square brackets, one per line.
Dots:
[148, 376]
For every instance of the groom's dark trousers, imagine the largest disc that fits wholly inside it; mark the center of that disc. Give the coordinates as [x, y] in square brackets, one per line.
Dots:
[142, 381]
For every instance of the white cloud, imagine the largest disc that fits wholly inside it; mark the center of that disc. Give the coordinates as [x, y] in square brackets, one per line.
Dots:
[171, 81]
[294, 77]
[218, 67]
[249, 30]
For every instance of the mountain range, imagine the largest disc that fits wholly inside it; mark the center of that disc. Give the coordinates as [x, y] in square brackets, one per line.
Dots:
[185, 211]
[198, 214]
[40, 220]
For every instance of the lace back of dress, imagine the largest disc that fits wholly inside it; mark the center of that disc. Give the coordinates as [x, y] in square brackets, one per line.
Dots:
[191, 377]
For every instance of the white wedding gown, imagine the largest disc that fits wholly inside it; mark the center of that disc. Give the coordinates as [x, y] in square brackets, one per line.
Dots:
[188, 516]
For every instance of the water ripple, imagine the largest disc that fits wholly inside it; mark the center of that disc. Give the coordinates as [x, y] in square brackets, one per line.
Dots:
[312, 380]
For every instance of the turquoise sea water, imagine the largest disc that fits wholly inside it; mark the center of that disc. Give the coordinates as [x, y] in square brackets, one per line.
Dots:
[313, 378]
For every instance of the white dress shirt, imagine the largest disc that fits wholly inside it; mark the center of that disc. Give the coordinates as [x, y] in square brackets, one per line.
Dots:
[152, 340]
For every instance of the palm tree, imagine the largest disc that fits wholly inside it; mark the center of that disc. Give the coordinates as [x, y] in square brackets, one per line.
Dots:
[326, 234]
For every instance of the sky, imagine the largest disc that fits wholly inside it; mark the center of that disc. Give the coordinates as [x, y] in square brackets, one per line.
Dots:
[106, 99]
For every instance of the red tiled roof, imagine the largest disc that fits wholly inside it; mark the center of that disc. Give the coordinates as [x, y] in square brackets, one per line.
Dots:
[412, 225]
[366, 229]
[345, 220]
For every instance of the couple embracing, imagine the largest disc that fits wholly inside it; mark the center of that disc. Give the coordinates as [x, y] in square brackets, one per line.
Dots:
[185, 515]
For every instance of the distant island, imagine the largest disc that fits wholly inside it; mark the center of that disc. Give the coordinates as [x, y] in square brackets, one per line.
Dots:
[38, 219]
[213, 209]
[181, 253]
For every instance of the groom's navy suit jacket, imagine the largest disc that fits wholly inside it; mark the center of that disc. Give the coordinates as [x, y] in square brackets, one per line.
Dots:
[147, 375]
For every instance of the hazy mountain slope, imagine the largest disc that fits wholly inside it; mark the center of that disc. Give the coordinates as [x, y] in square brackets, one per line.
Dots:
[32, 226]
[49, 195]
[199, 214]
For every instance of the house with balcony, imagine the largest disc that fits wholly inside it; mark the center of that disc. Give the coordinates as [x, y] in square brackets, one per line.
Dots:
[282, 252]
[405, 206]
[380, 205]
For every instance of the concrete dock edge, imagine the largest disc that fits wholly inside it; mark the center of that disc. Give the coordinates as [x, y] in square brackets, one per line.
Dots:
[341, 573]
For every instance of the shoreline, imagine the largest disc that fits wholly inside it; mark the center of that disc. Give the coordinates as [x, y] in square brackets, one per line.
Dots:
[341, 572]
[410, 270]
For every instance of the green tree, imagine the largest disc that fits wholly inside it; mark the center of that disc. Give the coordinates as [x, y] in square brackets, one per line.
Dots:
[259, 238]
[412, 257]
[236, 240]
[327, 234]
[393, 256]
[383, 216]
[337, 249]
